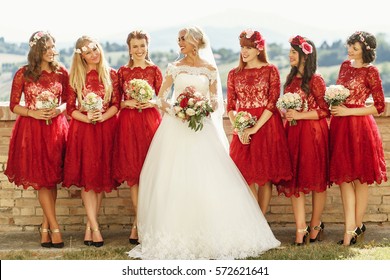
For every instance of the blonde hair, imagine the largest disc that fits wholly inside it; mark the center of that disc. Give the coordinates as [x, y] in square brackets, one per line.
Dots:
[78, 70]
[195, 36]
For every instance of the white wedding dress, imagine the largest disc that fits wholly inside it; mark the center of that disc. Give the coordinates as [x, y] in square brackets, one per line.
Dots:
[193, 202]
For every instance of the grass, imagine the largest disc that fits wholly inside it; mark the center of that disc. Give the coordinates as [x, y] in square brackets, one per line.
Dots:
[319, 251]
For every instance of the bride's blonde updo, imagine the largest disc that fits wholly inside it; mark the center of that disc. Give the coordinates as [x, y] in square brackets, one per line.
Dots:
[195, 36]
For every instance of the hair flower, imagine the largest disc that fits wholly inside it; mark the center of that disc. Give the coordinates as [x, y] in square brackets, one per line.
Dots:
[255, 37]
[302, 43]
[36, 37]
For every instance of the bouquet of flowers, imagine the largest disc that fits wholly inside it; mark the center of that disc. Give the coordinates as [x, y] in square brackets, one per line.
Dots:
[336, 95]
[193, 107]
[290, 101]
[92, 102]
[242, 121]
[46, 100]
[140, 90]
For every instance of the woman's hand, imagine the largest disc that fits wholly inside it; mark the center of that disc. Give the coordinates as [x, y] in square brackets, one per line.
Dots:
[245, 137]
[42, 114]
[131, 104]
[339, 111]
[95, 116]
[146, 105]
[292, 115]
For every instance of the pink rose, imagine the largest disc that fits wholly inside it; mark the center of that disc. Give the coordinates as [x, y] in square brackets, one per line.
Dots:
[306, 48]
[249, 33]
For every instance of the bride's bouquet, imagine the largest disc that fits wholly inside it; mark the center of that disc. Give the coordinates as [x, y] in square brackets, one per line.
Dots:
[140, 90]
[290, 101]
[46, 100]
[242, 121]
[92, 102]
[193, 107]
[336, 95]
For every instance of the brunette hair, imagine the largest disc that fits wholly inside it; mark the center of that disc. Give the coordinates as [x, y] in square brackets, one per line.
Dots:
[139, 34]
[368, 43]
[37, 44]
[255, 41]
[310, 66]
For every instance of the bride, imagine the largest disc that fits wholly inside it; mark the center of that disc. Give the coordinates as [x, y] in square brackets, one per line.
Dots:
[193, 201]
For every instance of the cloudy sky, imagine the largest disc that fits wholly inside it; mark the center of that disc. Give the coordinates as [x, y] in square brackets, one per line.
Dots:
[67, 20]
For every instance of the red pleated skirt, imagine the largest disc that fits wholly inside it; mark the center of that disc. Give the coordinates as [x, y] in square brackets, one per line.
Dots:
[309, 153]
[356, 151]
[266, 158]
[134, 135]
[36, 152]
[88, 160]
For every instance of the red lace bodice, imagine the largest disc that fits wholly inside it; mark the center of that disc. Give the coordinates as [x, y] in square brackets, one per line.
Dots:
[315, 100]
[362, 82]
[253, 88]
[92, 84]
[55, 82]
[151, 74]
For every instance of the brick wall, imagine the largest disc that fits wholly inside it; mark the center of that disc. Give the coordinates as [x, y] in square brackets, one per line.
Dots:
[20, 210]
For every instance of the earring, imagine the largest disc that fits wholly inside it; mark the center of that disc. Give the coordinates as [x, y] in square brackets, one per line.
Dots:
[194, 51]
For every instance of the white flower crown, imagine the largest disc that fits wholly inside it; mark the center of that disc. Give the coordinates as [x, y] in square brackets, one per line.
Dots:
[36, 37]
[91, 45]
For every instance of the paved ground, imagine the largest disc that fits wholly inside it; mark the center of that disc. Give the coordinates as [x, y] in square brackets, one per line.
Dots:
[74, 240]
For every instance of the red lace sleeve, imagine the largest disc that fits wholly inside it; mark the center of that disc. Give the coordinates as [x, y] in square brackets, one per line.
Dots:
[65, 84]
[231, 93]
[318, 89]
[17, 88]
[375, 85]
[158, 77]
[120, 83]
[71, 101]
[274, 89]
[115, 97]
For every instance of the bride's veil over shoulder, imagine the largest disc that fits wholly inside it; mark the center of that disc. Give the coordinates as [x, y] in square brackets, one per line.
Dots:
[217, 117]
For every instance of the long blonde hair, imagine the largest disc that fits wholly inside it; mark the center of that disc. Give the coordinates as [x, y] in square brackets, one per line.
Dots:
[78, 70]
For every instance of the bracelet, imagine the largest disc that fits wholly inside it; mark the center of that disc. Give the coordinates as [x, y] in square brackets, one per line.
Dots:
[27, 112]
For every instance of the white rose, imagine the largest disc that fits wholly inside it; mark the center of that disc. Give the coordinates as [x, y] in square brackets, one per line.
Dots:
[190, 112]
[181, 115]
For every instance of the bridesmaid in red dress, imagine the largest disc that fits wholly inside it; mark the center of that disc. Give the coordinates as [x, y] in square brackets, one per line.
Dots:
[137, 121]
[307, 141]
[356, 153]
[37, 146]
[91, 133]
[254, 86]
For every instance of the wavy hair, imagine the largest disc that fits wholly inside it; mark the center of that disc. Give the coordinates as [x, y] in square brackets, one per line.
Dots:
[250, 42]
[37, 44]
[309, 69]
[368, 43]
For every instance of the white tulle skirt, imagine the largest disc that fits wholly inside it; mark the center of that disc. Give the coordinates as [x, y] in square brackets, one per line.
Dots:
[193, 202]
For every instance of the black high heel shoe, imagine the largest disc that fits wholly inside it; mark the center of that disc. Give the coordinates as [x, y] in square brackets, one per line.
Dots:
[360, 237]
[355, 233]
[320, 234]
[44, 230]
[306, 238]
[56, 245]
[98, 243]
[88, 242]
[134, 241]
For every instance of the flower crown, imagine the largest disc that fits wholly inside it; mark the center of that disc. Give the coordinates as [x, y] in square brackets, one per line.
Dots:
[302, 43]
[255, 37]
[363, 40]
[91, 45]
[36, 37]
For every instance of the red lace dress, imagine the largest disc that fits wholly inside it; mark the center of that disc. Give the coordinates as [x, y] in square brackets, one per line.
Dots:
[355, 144]
[90, 146]
[266, 158]
[135, 129]
[36, 151]
[308, 142]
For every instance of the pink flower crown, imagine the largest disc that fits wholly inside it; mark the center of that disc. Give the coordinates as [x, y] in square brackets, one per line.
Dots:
[302, 43]
[363, 40]
[36, 37]
[255, 37]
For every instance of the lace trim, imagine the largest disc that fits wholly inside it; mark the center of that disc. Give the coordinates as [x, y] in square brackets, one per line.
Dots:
[174, 70]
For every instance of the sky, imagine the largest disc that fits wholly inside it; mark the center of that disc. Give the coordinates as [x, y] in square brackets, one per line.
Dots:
[114, 19]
